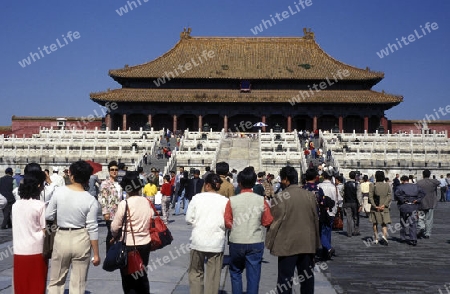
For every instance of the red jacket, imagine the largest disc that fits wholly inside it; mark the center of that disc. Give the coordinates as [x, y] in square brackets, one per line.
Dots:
[166, 189]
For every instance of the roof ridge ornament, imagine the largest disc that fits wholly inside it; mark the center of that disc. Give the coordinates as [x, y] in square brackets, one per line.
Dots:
[308, 34]
[186, 33]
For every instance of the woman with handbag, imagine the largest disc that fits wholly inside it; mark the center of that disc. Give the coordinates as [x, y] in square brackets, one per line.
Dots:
[139, 215]
[380, 197]
[77, 220]
[28, 217]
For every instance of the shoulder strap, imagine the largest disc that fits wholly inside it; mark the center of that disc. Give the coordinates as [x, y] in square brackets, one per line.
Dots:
[153, 207]
[124, 222]
[131, 226]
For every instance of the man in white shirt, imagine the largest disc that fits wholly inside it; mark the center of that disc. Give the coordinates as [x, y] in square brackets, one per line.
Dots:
[56, 178]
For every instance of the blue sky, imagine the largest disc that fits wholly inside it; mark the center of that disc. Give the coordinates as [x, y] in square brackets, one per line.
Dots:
[351, 31]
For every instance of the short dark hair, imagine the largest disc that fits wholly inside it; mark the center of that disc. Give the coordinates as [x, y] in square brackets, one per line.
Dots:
[365, 178]
[379, 176]
[112, 163]
[311, 174]
[426, 173]
[167, 178]
[214, 180]
[140, 169]
[121, 165]
[81, 171]
[207, 168]
[32, 185]
[32, 166]
[246, 178]
[404, 178]
[131, 182]
[327, 174]
[222, 168]
[288, 172]
[260, 174]
[352, 174]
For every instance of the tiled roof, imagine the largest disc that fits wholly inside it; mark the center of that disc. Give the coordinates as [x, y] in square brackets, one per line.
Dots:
[267, 96]
[247, 58]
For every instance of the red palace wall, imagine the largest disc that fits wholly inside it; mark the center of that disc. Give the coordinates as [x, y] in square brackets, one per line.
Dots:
[30, 125]
[415, 126]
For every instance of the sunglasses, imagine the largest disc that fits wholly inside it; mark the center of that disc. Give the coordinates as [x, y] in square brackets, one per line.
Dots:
[113, 169]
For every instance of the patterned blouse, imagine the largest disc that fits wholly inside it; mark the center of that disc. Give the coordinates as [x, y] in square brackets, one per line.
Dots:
[109, 197]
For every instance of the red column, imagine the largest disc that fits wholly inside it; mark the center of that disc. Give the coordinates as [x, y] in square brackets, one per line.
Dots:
[263, 119]
[200, 122]
[108, 121]
[124, 122]
[174, 123]
[366, 123]
[150, 119]
[314, 123]
[384, 123]
[341, 124]
[289, 123]
[225, 122]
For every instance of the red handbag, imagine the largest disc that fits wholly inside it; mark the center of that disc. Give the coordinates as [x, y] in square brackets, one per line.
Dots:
[134, 262]
[159, 233]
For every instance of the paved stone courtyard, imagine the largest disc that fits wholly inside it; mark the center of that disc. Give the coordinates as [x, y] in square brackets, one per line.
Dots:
[359, 267]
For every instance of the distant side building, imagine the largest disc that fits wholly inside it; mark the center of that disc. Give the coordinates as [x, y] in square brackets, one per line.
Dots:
[28, 125]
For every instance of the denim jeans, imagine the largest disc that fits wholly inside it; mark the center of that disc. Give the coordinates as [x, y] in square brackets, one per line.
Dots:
[248, 256]
[177, 204]
[325, 233]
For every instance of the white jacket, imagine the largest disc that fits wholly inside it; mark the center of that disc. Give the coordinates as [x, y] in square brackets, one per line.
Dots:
[206, 214]
[329, 189]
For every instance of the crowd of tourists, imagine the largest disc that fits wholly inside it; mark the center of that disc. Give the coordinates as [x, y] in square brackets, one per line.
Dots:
[246, 210]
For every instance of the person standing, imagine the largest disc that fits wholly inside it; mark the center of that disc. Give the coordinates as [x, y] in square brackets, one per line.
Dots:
[6, 189]
[139, 217]
[110, 196]
[150, 190]
[395, 183]
[326, 227]
[145, 157]
[206, 215]
[66, 177]
[442, 189]
[366, 185]
[94, 186]
[427, 205]
[56, 178]
[181, 194]
[247, 234]
[380, 197]
[408, 197]
[17, 177]
[293, 235]
[77, 220]
[194, 185]
[166, 192]
[28, 218]
[352, 204]
[227, 188]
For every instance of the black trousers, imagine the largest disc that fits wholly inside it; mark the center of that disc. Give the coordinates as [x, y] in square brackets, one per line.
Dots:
[137, 283]
[7, 216]
[305, 270]
[109, 235]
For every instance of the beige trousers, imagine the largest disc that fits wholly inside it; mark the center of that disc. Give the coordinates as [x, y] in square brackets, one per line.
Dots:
[197, 268]
[70, 248]
[165, 203]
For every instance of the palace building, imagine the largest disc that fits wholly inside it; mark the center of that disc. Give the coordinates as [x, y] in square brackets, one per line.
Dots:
[230, 82]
